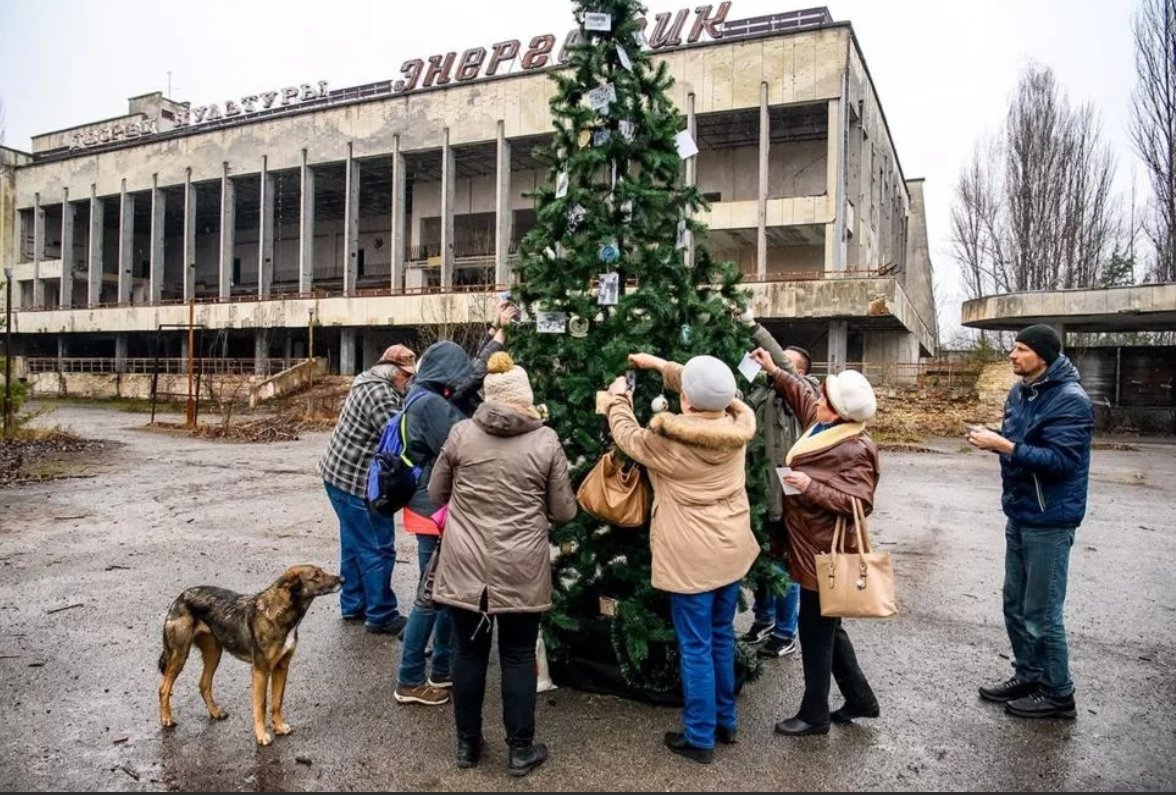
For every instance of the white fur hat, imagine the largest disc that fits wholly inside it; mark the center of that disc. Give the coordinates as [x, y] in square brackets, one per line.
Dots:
[851, 396]
[708, 384]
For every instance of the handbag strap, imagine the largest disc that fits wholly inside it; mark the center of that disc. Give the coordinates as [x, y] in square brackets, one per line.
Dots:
[838, 544]
[860, 528]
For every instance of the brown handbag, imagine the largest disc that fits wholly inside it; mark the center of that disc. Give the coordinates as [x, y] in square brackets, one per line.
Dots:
[614, 493]
[855, 584]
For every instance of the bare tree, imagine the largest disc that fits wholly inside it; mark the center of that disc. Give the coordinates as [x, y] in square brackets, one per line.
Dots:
[1153, 125]
[1035, 208]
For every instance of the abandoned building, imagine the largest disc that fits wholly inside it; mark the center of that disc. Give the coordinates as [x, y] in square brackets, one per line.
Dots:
[353, 217]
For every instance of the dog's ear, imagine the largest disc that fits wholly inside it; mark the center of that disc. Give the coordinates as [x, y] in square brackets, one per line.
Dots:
[292, 582]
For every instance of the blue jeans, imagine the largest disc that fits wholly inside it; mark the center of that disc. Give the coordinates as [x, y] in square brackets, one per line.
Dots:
[705, 626]
[1037, 564]
[423, 622]
[367, 554]
[781, 609]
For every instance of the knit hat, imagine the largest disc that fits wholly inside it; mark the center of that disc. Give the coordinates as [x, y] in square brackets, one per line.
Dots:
[401, 356]
[708, 384]
[851, 396]
[506, 382]
[1043, 340]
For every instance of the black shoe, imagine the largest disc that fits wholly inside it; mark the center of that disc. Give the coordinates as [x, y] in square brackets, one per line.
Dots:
[353, 616]
[524, 760]
[1040, 705]
[394, 627]
[726, 736]
[850, 711]
[676, 742]
[778, 647]
[795, 727]
[1009, 689]
[759, 632]
[469, 752]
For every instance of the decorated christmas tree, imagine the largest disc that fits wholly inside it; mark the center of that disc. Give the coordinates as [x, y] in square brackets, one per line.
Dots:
[615, 265]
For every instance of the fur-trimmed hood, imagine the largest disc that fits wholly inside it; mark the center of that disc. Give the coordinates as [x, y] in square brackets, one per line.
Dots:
[710, 430]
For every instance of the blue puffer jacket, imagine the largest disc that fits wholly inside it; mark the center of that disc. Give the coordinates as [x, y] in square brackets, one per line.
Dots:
[1052, 423]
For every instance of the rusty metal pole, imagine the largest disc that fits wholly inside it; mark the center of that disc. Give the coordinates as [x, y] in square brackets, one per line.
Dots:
[8, 354]
[191, 408]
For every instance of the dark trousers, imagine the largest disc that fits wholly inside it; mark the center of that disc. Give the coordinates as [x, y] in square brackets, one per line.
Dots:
[826, 650]
[517, 635]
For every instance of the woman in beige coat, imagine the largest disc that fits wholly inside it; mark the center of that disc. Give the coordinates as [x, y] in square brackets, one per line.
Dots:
[505, 478]
[700, 534]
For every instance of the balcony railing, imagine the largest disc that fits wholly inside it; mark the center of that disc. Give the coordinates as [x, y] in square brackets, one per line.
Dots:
[148, 366]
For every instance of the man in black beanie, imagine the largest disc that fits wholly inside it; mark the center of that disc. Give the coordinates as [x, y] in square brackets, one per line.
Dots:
[1044, 448]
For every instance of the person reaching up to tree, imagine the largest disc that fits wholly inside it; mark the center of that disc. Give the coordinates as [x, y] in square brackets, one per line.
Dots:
[700, 534]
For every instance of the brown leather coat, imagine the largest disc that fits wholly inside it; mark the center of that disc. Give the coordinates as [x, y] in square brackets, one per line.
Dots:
[842, 461]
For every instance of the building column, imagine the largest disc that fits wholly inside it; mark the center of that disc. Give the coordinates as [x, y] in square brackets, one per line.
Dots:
[62, 352]
[838, 343]
[306, 229]
[351, 224]
[120, 352]
[265, 235]
[97, 229]
[126, 244]
[765, 140]
[347, 351]
[399, 214]
[448, 197]
[158, 209]
[504, 216]
[260, 351]
[38, 251]
[835, 186]
[189, 238]
[691, 171]
[288, 349]
[68, 217]
[228, 232]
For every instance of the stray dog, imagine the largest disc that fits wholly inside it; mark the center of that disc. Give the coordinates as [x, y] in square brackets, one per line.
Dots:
[261, 629]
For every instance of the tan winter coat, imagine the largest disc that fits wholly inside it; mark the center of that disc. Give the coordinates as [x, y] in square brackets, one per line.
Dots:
[700, 534]
[505, 477]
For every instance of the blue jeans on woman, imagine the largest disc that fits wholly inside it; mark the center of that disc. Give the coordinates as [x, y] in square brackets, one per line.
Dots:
[781, 609]
[1037, 567]
[367, 554]
[422, 622]
[705, 626]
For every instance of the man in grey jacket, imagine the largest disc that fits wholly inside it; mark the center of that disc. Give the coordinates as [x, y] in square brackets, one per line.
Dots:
[776, 614]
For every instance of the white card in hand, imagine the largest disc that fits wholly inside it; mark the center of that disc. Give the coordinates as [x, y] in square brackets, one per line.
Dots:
[686, 146]
[749, 368]
[789, 489]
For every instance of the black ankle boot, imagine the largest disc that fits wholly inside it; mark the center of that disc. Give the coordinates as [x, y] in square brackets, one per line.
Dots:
[677, 742]
[850, 711]
[469, 751]
[795, 727]
[525, 759]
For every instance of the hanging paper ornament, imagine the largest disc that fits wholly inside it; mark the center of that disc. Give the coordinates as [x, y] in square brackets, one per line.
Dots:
[610, 289]
[610, 252]
[576, 216]
[687, 333]
[601, 97]
[551, 322]
[623, 57]
[601, 137]
[659, 404]
[561, 185]
[585, 138]
[578, 326]
[627, 211]
[549, 252]
[595, 20]
[680, 243]
[628, 129]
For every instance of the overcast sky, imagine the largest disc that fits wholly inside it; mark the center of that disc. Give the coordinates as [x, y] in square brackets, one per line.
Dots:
[944, 69]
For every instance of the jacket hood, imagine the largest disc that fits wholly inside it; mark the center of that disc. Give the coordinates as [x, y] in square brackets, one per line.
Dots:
[499, 419]
[709, 430]
[367, 377]
[1062, 371]
[444, 364]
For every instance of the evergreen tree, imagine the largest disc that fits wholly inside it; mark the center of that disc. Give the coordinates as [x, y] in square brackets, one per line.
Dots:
[616, 207]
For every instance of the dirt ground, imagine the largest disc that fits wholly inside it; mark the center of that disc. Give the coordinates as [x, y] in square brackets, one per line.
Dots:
[90, 564]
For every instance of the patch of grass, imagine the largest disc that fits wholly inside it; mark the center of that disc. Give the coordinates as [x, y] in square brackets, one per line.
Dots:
[888, 437]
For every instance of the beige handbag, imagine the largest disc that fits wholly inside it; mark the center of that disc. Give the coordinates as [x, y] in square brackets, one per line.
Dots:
[615, 494]
[855, 584]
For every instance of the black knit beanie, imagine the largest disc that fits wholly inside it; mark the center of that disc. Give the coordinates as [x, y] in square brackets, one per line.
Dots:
[1043, 340]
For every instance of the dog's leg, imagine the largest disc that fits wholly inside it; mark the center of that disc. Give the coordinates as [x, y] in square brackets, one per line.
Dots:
[210, 649]
[260, 683]
[278, 682]
[177, 639]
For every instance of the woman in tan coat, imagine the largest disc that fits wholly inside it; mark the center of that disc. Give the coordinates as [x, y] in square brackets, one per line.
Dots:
[700, 534]
[833, 463]
[505, 478]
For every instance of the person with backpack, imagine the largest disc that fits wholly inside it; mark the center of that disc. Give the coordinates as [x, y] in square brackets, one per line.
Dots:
[367, 548]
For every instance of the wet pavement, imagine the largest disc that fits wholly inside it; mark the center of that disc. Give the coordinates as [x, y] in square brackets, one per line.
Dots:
[158, 513]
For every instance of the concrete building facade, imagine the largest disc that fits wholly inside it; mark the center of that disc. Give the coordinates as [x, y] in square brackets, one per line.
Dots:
[369, 212]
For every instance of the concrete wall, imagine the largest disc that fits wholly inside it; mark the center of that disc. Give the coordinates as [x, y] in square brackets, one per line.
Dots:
[10, 160]
[919, 274]
[794, 169]
[889, 347]
[108, 386]
[287, 381]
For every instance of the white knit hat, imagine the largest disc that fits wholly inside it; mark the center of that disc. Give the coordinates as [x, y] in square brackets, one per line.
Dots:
[506, 382]
[851, 396]
[708, 384]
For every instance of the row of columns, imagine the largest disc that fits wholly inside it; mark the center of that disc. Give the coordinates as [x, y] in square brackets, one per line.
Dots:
[266, 232]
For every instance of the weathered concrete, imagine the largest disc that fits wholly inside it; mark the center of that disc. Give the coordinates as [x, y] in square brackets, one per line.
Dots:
[165, 512]
[1144, 307]
[130, 386]
[287, 381]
